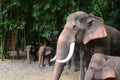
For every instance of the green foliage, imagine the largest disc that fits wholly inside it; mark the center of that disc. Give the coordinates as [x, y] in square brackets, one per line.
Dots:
[46, 18]
[11, 16]
[109, 10]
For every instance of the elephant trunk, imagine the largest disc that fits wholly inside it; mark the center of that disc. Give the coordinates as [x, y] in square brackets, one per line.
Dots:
[62, 53]
[89, 75]
[63, 47]
[71, 51]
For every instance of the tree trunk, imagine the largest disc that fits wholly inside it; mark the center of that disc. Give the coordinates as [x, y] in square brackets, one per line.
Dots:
[17, 45]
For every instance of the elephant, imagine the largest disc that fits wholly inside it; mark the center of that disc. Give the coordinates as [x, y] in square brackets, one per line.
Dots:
[45, 53]
[102, 67]
[31, 52]
[91, 35]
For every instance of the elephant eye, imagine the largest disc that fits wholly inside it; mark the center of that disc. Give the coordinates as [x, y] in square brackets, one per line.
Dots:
[74, 26]
[90, 23]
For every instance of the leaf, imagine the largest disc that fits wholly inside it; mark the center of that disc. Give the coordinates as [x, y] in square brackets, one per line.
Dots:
[47, 6]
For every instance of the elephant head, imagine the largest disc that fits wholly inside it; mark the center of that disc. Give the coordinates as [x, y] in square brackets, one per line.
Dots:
[100, 67]
[80, 27]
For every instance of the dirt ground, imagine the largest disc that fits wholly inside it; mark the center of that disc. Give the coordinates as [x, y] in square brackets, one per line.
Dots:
[20, 70]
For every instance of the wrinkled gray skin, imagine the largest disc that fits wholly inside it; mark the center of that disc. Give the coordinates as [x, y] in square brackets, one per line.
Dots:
[103, 67]
[45, 53]
[31, 53]
[91, 35]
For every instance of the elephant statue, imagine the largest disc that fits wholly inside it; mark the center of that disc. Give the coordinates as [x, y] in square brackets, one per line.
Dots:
[45, 53]
[31, 53]
[91, 35]
[102, 67]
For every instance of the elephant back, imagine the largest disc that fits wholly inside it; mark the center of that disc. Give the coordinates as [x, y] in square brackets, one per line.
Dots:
[29, 48]
[42, 49]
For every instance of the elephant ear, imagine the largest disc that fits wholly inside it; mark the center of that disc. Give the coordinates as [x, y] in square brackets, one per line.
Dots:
[94, 29]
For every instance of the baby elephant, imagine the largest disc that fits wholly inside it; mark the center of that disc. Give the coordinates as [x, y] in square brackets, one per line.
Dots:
[103, 67]
[45, 53]
[31, 53]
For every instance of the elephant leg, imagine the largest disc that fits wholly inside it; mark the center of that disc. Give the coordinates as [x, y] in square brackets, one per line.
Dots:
[82, 66]
[28, 57]
[69, 64]
[73, 62]
[43, 61]
[36, 58]
[31, 58]
[47, 61]
[39, 59]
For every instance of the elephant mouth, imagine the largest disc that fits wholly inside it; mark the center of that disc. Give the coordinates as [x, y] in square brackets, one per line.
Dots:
[69, 56]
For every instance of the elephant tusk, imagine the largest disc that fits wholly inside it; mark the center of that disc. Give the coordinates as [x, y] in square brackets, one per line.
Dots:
[53, 59]
[71, 51]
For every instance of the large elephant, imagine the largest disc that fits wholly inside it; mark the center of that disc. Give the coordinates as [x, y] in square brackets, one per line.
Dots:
[103, 67]
[31, 53]
[45, 53]
[90, 34]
